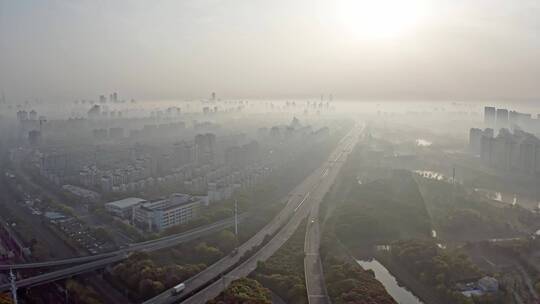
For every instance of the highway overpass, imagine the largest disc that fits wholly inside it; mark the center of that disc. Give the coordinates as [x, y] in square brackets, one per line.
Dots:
[113, 257]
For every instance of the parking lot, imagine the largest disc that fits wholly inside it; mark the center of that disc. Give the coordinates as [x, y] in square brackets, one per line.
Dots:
[83, 236]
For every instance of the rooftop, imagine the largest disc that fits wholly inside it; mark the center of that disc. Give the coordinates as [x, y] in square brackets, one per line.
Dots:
[126, 202]
[176, 200]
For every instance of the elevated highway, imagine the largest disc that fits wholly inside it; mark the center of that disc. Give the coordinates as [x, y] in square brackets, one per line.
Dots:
[101, 261]
[214, 279]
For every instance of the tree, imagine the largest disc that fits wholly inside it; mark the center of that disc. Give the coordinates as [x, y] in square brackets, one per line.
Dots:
[146, 288]
[225, 241]
[244, 290]
[102, 234]
[144, 278]
[104, 215]
[81, 293]
[207, 253]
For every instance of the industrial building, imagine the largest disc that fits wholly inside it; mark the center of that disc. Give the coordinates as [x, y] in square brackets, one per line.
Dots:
[124, 208]
[164, 213]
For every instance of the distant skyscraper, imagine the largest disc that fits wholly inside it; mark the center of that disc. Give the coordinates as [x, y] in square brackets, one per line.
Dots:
[32, 115]
[489, 116]
[475, 140]
[502, 118]
[486, 147]
[22, 115]
[489, 132]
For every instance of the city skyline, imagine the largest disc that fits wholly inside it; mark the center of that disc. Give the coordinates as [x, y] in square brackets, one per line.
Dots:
[303, 152]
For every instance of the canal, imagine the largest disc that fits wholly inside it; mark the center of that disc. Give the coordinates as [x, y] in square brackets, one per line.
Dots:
[399, 293]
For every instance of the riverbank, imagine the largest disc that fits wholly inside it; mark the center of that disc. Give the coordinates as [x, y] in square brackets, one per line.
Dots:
[404, 278]
[401, 294]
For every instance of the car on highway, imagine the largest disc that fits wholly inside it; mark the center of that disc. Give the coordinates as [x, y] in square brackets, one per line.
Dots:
[178, 288]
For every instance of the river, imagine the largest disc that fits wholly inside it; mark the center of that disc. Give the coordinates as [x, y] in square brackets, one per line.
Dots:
[399, 293]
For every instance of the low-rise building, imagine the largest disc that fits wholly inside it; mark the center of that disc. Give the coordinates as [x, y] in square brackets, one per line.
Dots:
[124, 208]
[164, 213]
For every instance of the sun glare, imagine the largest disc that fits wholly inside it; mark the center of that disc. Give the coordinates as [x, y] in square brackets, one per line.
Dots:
[380, 19]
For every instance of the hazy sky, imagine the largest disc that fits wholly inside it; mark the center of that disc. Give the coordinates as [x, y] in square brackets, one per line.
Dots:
[414, 49]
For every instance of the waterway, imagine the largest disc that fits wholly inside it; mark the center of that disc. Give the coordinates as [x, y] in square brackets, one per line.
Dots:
[399, 293]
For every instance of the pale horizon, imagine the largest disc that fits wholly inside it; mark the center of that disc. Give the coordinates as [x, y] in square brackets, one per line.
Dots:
[356, 50]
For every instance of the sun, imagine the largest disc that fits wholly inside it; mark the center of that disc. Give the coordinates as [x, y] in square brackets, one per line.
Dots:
[379, 19]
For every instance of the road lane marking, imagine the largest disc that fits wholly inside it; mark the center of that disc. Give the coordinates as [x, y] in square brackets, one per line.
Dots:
[302, 202]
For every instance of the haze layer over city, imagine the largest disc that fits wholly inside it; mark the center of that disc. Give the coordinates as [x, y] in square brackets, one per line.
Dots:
[257, 152]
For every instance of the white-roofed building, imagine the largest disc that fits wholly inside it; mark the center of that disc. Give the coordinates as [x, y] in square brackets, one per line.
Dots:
[164, 213]
[124, 208]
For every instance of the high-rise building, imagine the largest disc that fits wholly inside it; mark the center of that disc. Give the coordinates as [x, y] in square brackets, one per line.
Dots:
[106, 183]
[22, 115]
[32, 115]
[527, 154]
[489, 132]
[486, 146]
[489, 116]
[475, 140]
[522, 120]
[114, 97]
[502, 118]
[502, 149]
